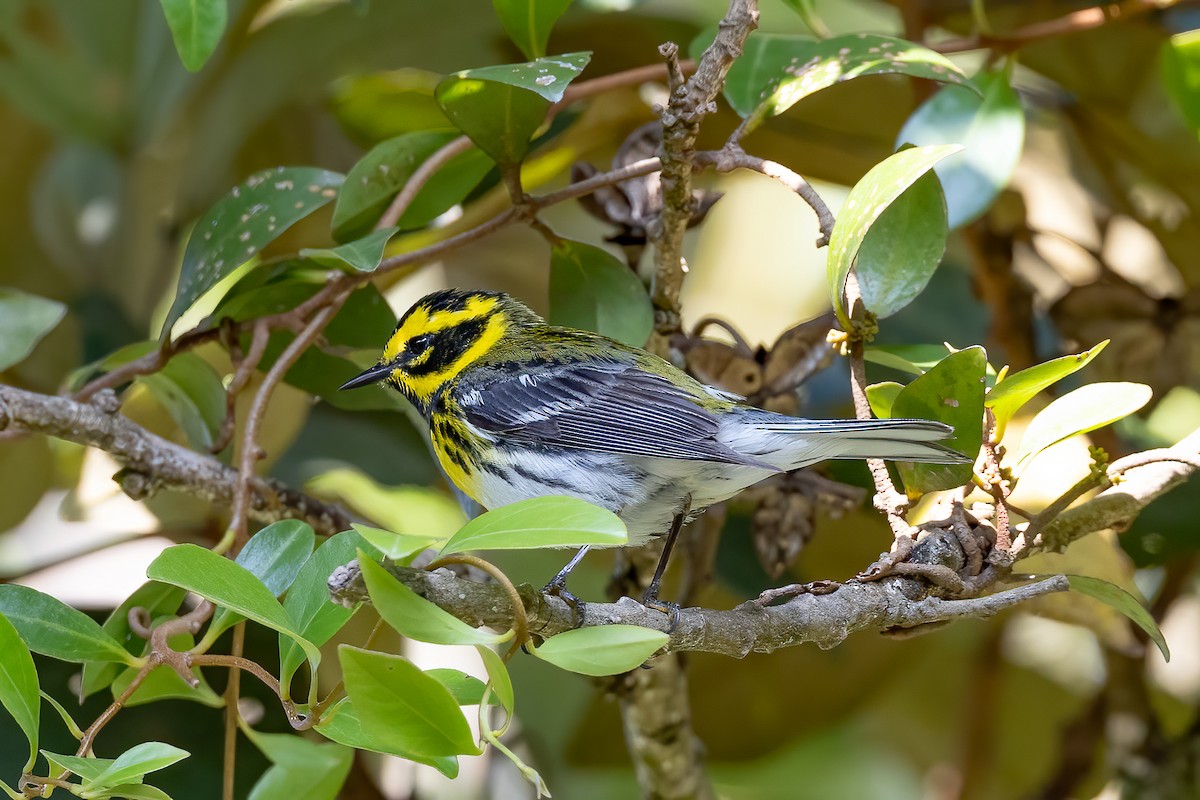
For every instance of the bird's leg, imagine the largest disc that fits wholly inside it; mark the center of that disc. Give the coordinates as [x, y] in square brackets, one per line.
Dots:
[558, 584]
[650, 598]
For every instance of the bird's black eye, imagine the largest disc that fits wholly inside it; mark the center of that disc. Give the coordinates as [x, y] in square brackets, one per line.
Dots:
[419, 343]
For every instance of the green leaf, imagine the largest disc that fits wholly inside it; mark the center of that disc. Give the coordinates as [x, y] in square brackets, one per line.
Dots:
[396, 546]
[192, 393]
[466, 690]
[1085, 409]
[316, 617]
[375, 180]
[130, 766]
[540, 522]
[1112, 595]
[916, 359]
[950, 392]
[86, 768]
[54, 629]
[66, 718]
[158, 599]
[591, 289]
[274, 555]
[227, 584]
[398, 703]
[131, 791]
[407, 510]
[362, 255]
[1008, 396]
[24, 320]
[528, 22]
[881, 396]
[196, 26]
[19, 686]
[902, 248]
[300, 768]
[989, 123]
[342, 725]
[242, 223]
[776, 71]
[1181, 75]
[877, 190]
[602, 649]
[501, 107]
[498, 677]
[414, 616]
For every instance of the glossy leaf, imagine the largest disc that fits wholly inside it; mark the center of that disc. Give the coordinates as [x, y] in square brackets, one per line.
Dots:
[540, 522]
[989, 123]
[24, 320]
[190, 390]
[1008, 396]
[602, 649]
[1112, 595]
[86, 768]
[158, 599]
[135, 762]
[379, 176]
[227, 584]
[776, 71]
[501, 107]
[869, 198]
[275, 556]
[242, 223]
[54, 629]
[396, 546]
[397, 702]
[19, 686]
[1085, 409]
[902, 248]
[342, 725]
[316, 617]
[881, 396]
[361, 255]
[414, 616]
[300, 767]
[196, 26]
[467, 690]
[592, 289]
[950, 392]
[498, 677]
[529, 22]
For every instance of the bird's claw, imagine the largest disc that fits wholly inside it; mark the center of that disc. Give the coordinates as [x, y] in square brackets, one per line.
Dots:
[558, 589]
[670, 609]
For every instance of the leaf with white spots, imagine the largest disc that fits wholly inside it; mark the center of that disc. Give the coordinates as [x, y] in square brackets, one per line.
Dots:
[242, 223]
[776, 70]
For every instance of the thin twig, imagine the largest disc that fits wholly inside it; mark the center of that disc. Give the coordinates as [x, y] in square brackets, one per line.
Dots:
[233, 689]
[520, 626]
[241, 376]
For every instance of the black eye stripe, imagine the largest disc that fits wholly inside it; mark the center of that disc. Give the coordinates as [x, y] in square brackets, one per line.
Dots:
[447, 346]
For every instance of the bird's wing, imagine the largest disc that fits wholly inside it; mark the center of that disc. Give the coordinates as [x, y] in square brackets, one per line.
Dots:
[601, 406]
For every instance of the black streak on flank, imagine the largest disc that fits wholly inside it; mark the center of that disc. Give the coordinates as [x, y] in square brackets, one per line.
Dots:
[448, 346]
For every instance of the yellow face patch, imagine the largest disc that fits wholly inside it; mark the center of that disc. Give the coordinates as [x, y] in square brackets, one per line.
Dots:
[422, 321]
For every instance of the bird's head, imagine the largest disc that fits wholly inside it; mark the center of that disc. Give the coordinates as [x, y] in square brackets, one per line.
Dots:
[440, 336]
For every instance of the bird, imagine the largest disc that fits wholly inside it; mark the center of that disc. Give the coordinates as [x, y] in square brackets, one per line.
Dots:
[519, 408]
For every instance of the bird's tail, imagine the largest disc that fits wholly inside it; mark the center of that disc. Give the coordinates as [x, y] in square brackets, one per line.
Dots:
[807, 441]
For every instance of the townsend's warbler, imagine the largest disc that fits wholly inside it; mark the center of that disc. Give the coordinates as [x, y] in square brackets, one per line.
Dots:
[518, 408]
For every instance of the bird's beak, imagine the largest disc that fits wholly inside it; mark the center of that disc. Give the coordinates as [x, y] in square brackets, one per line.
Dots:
[373, 375]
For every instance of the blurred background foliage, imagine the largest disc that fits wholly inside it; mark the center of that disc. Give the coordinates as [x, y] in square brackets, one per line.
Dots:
[112, 149]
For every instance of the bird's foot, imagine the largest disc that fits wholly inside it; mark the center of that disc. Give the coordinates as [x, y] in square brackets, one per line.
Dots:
[558, 588]
[650, 600]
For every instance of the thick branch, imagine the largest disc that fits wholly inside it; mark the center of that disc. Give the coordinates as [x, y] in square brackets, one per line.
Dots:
[824, 619]
[152, 462]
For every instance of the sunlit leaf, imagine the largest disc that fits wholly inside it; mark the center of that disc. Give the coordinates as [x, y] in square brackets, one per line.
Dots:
[540, 522]
[342, 725]
[24, 320]
[274, 555]
[414, 616]
[54, 629]
[602, 649]
[1181, 75]
[242, 223]
[1008, 396]
[881, 396]
[396, 546]
[19, 686]
[950, 392]
[591, 289]
[529, 22]
[869, 198]
[86, 768]
[196, 26]
[501, 107]
[1112, 595]
[498, 677]
[1085, 409]
[398, 703]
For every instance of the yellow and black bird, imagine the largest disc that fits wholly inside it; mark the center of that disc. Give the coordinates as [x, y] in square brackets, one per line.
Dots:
[518, 408]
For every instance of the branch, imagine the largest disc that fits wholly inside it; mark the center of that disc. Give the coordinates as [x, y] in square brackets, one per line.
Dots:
[824, 619]
[151, 462]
